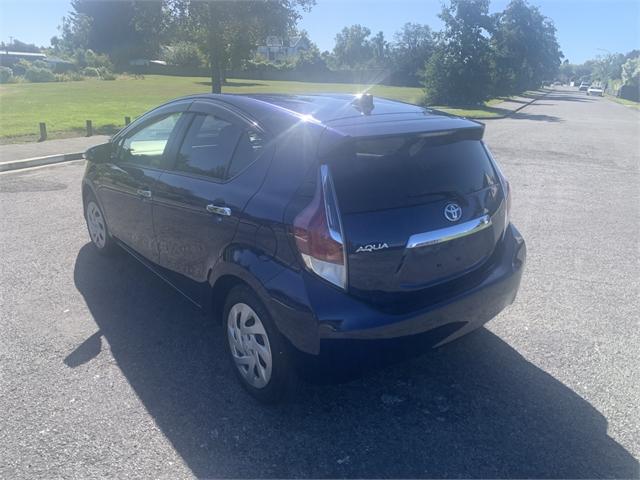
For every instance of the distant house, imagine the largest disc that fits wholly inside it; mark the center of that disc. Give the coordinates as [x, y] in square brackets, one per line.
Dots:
[277, 50]
[9, 58]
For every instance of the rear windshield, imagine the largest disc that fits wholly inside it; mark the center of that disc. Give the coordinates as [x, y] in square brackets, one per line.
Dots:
[393, 172]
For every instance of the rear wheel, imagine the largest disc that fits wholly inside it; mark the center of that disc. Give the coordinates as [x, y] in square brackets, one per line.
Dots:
[256, 347]
[97, 226]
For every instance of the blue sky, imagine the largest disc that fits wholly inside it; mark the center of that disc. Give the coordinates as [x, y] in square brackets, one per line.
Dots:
[586, 28]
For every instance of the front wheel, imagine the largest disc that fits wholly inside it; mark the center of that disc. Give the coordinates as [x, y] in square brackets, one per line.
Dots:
[258, 350]
[97, 226]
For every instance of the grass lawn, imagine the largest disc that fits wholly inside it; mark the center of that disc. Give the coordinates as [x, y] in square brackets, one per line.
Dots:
[65, 106]
[481, 111]
[622, 101]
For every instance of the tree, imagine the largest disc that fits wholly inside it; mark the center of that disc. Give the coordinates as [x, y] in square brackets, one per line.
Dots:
[182, 54]
[18, 46]
[525, 47]
[566, 72]
[631, 72]
[123, 30]
[459, 71]
[379, 49]
[228, 31]
[310, 60]
[353, 48]
[413, 46]
[607, 68]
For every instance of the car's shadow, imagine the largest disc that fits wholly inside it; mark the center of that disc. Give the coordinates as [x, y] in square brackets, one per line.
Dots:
[475, 408]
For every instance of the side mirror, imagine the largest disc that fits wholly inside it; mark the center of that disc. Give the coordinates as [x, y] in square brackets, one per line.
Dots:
[99, 153]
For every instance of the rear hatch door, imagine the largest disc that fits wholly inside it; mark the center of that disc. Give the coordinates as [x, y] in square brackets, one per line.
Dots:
[418, 209]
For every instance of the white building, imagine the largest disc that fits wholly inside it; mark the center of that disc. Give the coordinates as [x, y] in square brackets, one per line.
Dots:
[275, 50]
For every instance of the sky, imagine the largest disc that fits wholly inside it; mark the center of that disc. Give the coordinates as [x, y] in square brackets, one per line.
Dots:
[586, 28]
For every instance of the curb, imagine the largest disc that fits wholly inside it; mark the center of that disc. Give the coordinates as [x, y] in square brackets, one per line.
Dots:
[38, 161]
[507, 115]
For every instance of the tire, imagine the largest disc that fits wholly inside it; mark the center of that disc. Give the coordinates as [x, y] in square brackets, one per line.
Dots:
[257, 350]
[97, 227]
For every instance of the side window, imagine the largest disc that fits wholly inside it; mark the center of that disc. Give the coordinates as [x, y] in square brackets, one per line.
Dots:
[146, 146]
[249, 148]
[208, 147]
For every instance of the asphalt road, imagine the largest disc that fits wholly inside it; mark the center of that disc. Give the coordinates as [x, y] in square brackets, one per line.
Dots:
[105, 372]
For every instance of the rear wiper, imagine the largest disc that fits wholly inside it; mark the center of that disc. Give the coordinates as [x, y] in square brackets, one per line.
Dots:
[442, 193]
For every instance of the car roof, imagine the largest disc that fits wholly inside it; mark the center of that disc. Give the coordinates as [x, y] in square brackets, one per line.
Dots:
[338, 110]
[335, 106]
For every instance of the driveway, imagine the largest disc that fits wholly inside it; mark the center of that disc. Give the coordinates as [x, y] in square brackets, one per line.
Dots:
[105, 371]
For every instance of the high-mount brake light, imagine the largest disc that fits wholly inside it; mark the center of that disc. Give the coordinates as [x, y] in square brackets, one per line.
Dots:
[319, 236]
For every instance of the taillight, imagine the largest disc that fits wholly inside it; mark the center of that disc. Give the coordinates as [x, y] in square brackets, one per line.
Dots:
[318, 233]
[506, 186]
[507, 194]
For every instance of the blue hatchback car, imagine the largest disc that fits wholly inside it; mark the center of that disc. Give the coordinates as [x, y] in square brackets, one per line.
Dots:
[302, 221]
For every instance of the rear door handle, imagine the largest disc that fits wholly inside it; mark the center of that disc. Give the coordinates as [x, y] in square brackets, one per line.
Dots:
[224, 211]
[144, 193]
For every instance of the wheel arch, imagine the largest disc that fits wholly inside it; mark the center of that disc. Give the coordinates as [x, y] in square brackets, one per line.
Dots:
[219, 292]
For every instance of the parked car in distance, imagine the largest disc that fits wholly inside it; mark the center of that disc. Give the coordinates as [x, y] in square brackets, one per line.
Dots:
[595, 90]
[310, 223]
[584, 86]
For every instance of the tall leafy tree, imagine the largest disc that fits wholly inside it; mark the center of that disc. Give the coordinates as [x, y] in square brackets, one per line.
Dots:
[459, 71]
[607, 68]
[124, 29]
[379, 49]
[228, 31]
[525, 46]
[353, 47]
[413, 46]
[631, 72]
[18, 46]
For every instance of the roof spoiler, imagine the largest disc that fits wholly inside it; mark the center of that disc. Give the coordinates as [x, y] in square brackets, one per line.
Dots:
[444, 129]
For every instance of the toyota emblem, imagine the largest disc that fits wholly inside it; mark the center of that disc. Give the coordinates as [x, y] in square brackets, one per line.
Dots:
[452, 212]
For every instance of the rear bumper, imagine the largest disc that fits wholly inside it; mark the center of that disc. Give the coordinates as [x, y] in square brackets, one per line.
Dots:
[313, 313]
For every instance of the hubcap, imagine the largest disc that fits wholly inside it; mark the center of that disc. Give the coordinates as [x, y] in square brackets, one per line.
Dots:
[97, 227]
[249, 345]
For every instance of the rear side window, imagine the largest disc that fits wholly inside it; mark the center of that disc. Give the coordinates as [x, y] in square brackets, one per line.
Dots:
[401, 171]
[208, 147]
[216, 148]
[250, 146]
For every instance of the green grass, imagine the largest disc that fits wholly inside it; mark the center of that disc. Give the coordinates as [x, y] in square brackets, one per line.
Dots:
[65, 106]
[623, 101]
[489, 109]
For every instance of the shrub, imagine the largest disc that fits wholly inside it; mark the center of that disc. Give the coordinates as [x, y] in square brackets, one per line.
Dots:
[88, 58]
[20, 67]
[6, 75]
[69, 77]
[98, 60]
[91, 72]
[183, 54]
[38, 74]
[40, 64]
[73, 76]
[107, 76]
[448, 80]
